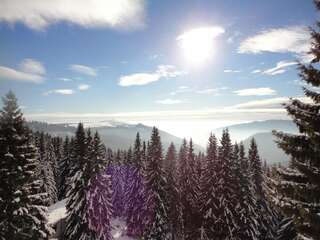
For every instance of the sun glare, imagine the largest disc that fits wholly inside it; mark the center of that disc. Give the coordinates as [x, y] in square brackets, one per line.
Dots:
[198, 44]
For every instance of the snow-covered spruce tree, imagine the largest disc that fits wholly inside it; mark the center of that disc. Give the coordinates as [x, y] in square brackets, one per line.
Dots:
[285, 230]
[182, 185]
[116, 173]
[135, 195]
[156, 200]
[109, 156]
[64, 168]
[267, 216]
[57, 143]
[192, 230]
[299, 187]
[77, 226]
[208, 198]
[127, 172]
[225, 226]
[170, 166]
[47, 163]
[99, 194]
[22, 212]
[245, 210]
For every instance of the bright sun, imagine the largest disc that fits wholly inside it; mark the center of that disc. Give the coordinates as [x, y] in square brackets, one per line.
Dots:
[198, 44]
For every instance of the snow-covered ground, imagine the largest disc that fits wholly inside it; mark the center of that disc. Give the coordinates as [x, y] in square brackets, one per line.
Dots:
[57, 212]
[119, 229]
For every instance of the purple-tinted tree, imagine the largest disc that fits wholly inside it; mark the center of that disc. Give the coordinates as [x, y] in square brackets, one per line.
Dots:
[135, 193]
[99, 205]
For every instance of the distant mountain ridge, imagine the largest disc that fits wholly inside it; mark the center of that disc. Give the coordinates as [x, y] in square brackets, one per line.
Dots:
[240, 132]
[114, 134]
[262, 132]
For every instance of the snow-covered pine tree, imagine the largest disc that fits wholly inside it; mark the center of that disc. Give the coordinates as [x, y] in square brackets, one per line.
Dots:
[135, 195]
[170, 166]
[299, 186]
[225, 226]
[286, 230]
[77, 226]
[208, 199]
[156, 200]
[192, 230]
[109, 156]
[57, 143]
[245, 209]
[182, 185]
[64, 169]
[48, 162]
[116, 173]
[267, 216]
[22, 212]
[99, 194]
[127, 172]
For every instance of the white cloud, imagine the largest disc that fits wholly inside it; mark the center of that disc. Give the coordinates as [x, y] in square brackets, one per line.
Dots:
[279, 68]
[60, 91]
[169, 101]
[211, 90]
[278, 40]
[39, 14]
[138, 79]
[65, 79]
[270, 103]
[29, 71]
[82, 69]
[83, 87]
[255, 92]
[32, 66]
[256, 71]
[231, 71]
[185, 89]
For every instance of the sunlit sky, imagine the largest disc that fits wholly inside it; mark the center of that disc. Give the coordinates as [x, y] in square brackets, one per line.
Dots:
[185, 66]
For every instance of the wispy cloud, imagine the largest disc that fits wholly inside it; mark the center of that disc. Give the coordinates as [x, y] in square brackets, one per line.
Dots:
[32, 66]
[169, 101]
[83, 69]
[83, 87]
[66, 79]
[255, 92]
[138, 79]
[38, 15]
[256, 71]
[29, 70]
[60, 91]
[231, 71]
[280, 68]
[294, 39]
[186, 89]
[269, 103]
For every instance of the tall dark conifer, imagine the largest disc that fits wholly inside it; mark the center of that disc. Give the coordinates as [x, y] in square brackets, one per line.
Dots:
[64, 169]
[267, 216]
[172, 191]
[157, 203]
[208, 198]
[299, 187]
[22, 210]
[77, 225]
[135, 194]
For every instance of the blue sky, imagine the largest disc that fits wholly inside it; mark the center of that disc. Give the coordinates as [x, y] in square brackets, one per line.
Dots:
[123, 60]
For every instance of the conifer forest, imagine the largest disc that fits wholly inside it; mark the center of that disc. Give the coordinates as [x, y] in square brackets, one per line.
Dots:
[76, 186]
